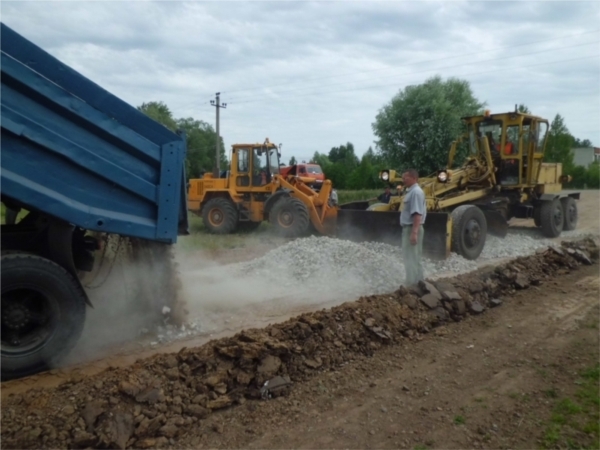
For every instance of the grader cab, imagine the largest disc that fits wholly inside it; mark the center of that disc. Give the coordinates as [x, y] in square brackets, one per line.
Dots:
[502, 177]
[253, 190]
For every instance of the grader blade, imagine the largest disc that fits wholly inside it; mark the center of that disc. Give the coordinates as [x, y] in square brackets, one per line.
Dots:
[357, 224]
[496, 223]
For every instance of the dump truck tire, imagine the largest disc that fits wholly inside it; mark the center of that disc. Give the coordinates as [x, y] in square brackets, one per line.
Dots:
[570, 213]
[289, 217]
[43, 313]
[469, 230]
[220, 216]
[552, 218]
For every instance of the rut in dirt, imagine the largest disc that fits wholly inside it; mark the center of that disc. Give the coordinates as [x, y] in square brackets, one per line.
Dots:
[152, 402]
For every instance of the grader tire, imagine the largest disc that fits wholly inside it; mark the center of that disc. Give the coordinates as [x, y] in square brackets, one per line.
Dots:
[469, 230]
[220, 216]
[569, 206]
[536, 216]
[552, 218]
[289, 217]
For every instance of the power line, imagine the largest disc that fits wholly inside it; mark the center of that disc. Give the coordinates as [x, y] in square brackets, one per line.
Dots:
[418, 62]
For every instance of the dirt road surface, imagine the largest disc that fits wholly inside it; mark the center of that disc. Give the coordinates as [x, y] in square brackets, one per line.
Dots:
[517, 376]
[491, 381]
[488, 382]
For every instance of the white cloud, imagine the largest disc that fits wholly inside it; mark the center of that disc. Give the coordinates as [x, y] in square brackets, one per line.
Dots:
[313, 75]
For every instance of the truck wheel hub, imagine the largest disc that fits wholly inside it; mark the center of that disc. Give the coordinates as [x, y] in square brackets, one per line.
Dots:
[15, 317]
[558, 217]
[472, 233]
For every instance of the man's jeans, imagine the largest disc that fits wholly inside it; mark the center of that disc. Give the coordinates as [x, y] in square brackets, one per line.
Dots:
[412, 255]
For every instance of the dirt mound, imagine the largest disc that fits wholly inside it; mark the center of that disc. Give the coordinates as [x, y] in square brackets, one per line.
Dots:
[150, 403]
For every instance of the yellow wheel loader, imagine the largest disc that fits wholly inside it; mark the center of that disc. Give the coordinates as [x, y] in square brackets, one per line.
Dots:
[503, 176]
[254, 190]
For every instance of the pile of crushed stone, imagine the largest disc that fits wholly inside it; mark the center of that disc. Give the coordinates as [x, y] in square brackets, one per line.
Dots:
[320, 269]
[155, 401]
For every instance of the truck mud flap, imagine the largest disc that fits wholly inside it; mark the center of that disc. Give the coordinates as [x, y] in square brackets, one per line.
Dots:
[379, 226]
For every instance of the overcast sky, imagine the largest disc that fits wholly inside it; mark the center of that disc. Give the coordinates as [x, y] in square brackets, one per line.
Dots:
[313, 75]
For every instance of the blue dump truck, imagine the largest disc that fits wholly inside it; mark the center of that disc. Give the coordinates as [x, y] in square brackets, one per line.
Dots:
[76, 163]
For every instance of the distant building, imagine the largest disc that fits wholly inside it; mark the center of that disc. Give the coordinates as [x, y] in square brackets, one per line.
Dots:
[584, 156]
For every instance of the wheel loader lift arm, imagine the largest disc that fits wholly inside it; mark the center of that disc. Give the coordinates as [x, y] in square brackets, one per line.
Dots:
[322, 215]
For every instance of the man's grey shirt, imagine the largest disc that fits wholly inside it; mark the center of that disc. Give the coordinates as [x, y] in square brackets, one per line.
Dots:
[414, 203]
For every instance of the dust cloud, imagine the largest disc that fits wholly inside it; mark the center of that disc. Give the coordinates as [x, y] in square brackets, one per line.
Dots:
[302, 275]
[131, 284]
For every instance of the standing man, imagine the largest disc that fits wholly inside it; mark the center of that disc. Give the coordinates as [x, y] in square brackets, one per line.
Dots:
[412, 219]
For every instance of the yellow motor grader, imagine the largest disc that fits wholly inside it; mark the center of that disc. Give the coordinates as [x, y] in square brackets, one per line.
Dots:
[254, 190]
[502, 177]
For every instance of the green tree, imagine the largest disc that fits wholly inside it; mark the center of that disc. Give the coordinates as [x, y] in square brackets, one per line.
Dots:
[201, 144]
[201, 138]
[159, 112]
[585, 143]
[344, 154]
[418, 125]
[523, 109]
[343, 161]
[320, 159]
[366, 175]
[292, 161]
[560, 144]
[593, 176]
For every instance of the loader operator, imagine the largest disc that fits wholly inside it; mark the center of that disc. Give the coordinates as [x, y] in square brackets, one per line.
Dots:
[412, 219]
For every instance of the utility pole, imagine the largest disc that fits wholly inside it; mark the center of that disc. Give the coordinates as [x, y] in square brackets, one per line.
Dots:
[218, 105]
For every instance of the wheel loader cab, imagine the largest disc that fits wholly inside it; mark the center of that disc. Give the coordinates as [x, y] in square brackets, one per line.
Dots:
[256, 165]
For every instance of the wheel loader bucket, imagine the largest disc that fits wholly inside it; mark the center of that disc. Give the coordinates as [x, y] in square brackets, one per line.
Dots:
[357, 224]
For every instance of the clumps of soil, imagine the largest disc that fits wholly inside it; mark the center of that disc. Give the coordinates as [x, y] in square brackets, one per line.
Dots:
[153, 402]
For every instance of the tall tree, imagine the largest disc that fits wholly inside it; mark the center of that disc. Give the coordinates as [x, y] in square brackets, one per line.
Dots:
[292, 161]
[418, 125]
[201, 144]
[560, 144]
[159, 112]
[320, 159]
[344, 154]
[201, 138]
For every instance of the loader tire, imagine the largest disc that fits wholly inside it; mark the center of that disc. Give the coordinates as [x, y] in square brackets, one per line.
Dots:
[289, 217]
[552, 218]
[569, 206]
[43, 313]
[220, 216]
[469, 230]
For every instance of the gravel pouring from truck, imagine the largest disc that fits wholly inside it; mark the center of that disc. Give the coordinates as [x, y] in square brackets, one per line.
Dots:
[78, 160]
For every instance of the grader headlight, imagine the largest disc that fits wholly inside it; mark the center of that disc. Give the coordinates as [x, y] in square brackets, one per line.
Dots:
[442, 176]
[385, 175]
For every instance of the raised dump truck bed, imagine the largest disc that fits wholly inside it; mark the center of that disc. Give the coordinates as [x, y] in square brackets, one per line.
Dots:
[74, 151]
[76, 159]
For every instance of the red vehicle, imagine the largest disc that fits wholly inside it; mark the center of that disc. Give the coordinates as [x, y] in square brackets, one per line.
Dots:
[306, 170]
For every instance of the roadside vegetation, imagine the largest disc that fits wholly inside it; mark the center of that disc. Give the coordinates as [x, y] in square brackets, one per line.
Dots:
[574, 421]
